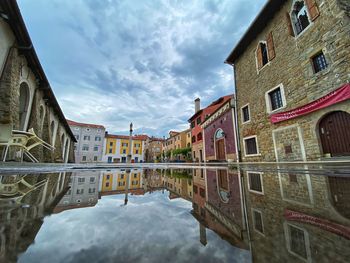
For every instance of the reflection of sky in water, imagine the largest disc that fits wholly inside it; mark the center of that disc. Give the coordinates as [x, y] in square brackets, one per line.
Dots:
[151, 228]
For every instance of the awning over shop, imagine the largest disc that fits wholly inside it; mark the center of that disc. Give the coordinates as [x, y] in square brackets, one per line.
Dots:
[336, 96]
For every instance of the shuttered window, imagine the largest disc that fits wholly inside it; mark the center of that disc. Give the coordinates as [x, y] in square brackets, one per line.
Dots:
[255, 182]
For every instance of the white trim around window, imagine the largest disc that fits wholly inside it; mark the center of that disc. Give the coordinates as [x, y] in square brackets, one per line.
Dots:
[242, 115]
[254, 210]
[288, 237]
[268, 100]
[261, 182]
[257, 146]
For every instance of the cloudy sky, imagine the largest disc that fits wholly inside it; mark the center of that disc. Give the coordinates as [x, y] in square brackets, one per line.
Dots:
[114, 61]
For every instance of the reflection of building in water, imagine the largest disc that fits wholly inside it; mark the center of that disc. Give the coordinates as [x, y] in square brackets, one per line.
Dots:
[217, 205]
[179, 183]
[83, 191]
[301, 217]
[24, 201]
[119, 180]
[152, 180]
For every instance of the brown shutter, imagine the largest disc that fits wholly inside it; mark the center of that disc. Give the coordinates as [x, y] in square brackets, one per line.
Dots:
[270, 47]
[289, 24]
[259, 56]
[313, 9]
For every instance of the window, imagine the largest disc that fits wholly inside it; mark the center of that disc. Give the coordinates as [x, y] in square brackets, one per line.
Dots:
[108, 176]
[188, 135]
[122, 176]
[85, 147]
[86, 137]
[92, 179]
[110, 150]
[192, 124]
[137, 152]
[199, 120]
[124, 151]
[75, 146]
[319, 62]
[87, 129]
[96, 148]
[135, 175]
[76, 137]
[275, 99]
[255, 182]
[84, 158]
[111, 144]
[92, 190]
[251, 147]
[297, 241]
[258, 221]
[124, 144]
[299, 15]
[95, 158]
[199, 136]
[80, 191]
[97, 138]
[109, 159]
[263, 51]
[245, 114]
[107, 184]
[219, 134]
[81, 179]
[98, 130]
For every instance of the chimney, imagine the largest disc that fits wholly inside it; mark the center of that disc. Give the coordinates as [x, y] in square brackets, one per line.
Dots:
[197, 105]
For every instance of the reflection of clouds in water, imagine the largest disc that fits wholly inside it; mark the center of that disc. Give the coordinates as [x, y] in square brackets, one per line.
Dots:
[150, 228]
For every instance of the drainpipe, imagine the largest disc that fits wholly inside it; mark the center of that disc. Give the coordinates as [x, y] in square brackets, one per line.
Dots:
[236, 117]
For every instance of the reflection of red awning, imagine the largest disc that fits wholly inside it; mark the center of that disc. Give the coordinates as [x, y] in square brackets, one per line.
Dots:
[324, 224]
[339, 95]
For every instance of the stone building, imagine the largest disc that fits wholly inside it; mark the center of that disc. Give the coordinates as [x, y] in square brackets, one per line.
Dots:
[297, 217]
[153, 149]
[291, 72]
[26, 98]
[219, 133]
[23, 208]
[90, 139]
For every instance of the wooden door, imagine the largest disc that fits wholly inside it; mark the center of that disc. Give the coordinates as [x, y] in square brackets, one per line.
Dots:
[340, 194]
[220, 149]
[335, 133]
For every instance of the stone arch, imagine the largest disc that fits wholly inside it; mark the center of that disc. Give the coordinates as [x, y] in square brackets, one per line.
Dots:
[24, 97]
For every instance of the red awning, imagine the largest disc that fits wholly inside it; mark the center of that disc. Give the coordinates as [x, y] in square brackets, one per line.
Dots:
[336, 96]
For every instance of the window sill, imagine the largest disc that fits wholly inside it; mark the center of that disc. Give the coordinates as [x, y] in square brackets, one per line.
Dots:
[276, 110]
[265, 66]
[246, 122]
[252, 155]
[256, 192]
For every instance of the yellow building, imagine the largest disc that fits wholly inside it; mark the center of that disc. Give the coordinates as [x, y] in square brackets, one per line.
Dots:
[116, 148]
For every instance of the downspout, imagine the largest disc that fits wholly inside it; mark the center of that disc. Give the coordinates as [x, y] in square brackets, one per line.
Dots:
[239, 158]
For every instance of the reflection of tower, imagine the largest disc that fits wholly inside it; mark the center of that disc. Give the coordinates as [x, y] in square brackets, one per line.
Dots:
[127, 186]
[202, 234]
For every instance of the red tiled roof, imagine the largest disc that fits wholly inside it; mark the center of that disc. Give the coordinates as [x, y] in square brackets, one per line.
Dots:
[142, 137]
[74, 123]
[212, 107]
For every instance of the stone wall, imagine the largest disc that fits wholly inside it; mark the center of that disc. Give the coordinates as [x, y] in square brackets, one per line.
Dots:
[38, 112]
[291, 67]
[304, 193]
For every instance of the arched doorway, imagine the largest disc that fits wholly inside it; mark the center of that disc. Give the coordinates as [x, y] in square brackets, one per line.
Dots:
[220, 145]
[334, 130]
[23, 104]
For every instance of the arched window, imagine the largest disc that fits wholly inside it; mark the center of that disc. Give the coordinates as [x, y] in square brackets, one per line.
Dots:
[23, 104]
[219, 134]
[300, 17]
